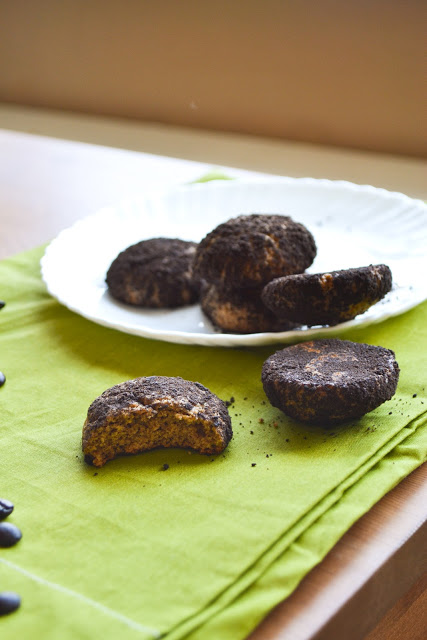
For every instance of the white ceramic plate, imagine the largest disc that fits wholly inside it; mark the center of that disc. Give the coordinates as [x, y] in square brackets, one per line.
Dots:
[352, 225]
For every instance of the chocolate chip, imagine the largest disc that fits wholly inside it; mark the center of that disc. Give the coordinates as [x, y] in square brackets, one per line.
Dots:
[9, 534]
[6, 508]
[9, 601]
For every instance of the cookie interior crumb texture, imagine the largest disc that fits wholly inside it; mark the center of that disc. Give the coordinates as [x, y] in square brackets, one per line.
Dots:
[157, 411]
[330, 381]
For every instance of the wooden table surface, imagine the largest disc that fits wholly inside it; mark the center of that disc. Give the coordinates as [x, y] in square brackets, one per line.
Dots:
[50, 177]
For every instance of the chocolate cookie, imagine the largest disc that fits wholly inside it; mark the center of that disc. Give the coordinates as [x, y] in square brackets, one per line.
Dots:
[239, 311]
[155, 273]
[158, 411]
[327, 298]
[250, 250]
[330, 381]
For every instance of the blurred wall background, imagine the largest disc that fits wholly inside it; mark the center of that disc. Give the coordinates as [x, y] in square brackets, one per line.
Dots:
[339, 72]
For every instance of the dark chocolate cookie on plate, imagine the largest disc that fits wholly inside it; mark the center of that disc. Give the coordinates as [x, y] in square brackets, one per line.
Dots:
[250, 250]
[240, 311]
[156, 273]
[327, 298]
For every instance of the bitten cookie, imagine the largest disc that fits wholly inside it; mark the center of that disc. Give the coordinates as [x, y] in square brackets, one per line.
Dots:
[329, 381]
[155, 273]
[250, 250]
[240, 311]
[327, 298]
[152, 412]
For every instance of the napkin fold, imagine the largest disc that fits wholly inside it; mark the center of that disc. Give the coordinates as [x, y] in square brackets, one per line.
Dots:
[205, 548]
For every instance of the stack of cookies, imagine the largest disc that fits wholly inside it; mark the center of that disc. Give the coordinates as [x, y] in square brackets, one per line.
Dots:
[238, 258]
[249, 275]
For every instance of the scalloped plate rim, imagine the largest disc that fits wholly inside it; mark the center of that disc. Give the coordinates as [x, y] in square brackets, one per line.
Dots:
[216, 338]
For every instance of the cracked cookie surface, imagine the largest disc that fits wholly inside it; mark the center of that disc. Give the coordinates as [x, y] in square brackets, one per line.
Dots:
[250, 250]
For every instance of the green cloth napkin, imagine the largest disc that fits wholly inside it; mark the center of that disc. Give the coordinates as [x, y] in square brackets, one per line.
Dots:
[204, 549]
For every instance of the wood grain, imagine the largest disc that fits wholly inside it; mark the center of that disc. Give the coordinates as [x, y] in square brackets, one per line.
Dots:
[407, 619]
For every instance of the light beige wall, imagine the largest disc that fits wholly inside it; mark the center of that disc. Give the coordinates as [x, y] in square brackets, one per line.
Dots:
[343, 72]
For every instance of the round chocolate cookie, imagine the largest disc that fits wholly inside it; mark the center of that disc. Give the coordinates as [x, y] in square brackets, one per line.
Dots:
[329, 381]
[155, 273]
[250, 250]
[327, 298]
[153, 412]
[240, 311]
